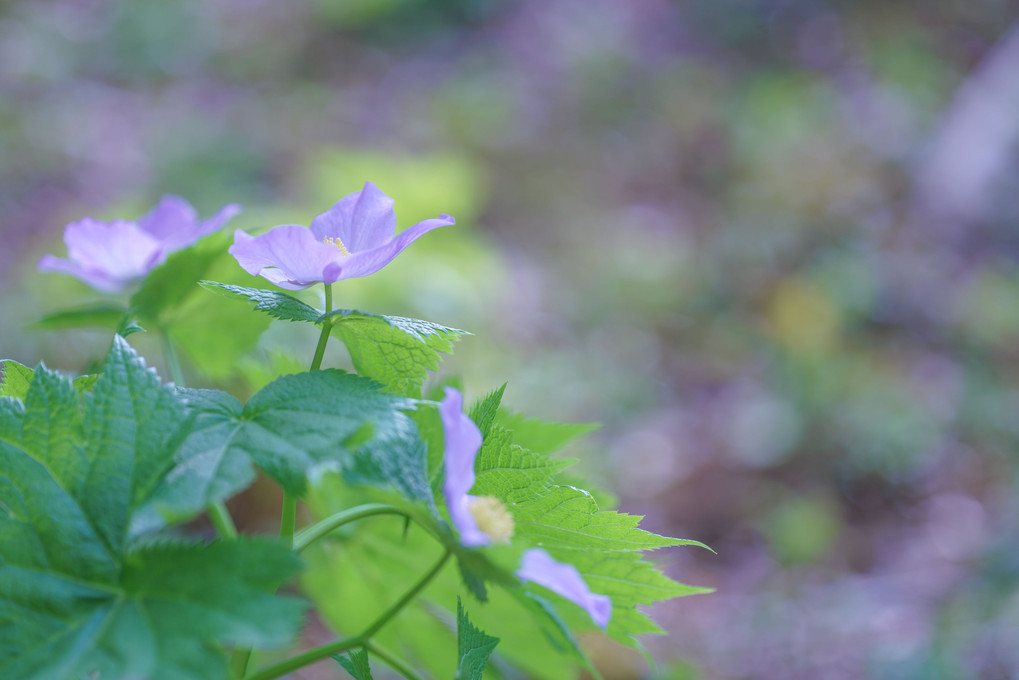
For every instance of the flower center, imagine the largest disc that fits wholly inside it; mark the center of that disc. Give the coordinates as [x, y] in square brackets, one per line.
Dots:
[492, 517]
[336, 242]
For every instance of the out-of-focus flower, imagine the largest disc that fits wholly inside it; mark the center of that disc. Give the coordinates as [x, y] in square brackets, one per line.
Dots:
[479, 519]
[109, 256]
[355, 237]
[538, 566]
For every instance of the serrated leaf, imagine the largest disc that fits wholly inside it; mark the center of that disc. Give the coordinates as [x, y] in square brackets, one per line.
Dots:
[473, 646]
[272, 302]
[103, 315]
[76, 597]
[15, 379]
[356, 665]
[484, 412]
[296, 426]
[355, 572]
[568, 523]
[393, 350]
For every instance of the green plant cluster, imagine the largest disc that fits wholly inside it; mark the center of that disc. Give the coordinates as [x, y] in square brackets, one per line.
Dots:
[99, 577]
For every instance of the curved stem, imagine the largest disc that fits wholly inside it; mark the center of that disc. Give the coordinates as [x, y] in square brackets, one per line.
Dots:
[327, 327]
[407, 597]
[392, 661]
[313, 655]
[172, 361]
[320, 529]
[221, 519]
[288, 518]
[307, 658]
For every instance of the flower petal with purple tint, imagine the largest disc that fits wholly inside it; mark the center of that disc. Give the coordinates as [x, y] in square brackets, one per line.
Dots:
[462, 441]
[564, 579]
[109, 256]
[356, 237]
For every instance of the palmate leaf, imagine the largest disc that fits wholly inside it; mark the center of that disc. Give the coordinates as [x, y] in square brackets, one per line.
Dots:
[393, 350]
[77, 595]
[357, 571]
[294, 427]
[473, 647]
[272, 302]
[605, 546]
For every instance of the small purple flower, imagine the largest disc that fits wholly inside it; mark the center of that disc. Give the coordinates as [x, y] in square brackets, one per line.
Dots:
[483, 519]
[356, 237]
[479, 519]
[109, 256]
[564, 579]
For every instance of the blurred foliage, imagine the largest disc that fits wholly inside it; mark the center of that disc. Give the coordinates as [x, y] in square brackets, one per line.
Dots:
[710, 225]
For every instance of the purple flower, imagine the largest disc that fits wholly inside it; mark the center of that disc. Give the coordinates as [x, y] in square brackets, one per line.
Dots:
[356, 237]
[109, 256]
[483, 520]
[564, 579]
[479, 519]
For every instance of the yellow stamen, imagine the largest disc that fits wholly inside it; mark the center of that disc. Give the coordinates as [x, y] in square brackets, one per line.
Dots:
[492, 517]
[336, 242]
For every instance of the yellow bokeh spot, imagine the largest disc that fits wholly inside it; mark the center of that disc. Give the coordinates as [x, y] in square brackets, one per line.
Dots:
[336, 242]
[802, 317]
[493, 518]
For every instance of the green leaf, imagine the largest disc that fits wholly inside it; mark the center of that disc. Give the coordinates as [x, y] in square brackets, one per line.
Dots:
[544, 436]
[473, 647]
[395, 351]
[16, 379]
[298, 425]
[276, 304]
[567, 522]
[356, 571]
[356, 665]
[170, 283]
[77, 595]
[103, 315]
[484, 412]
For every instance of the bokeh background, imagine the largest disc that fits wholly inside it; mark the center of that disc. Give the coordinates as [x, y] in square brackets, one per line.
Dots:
[773, 245]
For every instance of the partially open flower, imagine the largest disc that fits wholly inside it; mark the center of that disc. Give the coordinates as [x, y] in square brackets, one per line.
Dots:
[356, 237]
[564, 579]
[109, 256]
[480, 520]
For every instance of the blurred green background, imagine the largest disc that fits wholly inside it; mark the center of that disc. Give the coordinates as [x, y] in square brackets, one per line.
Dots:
[773, 245]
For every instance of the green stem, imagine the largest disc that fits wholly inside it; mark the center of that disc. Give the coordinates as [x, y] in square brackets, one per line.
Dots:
[239, 661]
[320, 529]
[222, 520]
[288, 519]
[172, 362]
[305, 659]
[327, 327]
[408, 596]
[362, 640]
[393, 662]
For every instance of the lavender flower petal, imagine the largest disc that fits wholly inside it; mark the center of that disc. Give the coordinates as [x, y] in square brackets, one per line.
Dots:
[353, 238]
[370, 261]
[564, 579]
[290, 256]
[364, 220]
[109, 256]
[462, 441]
